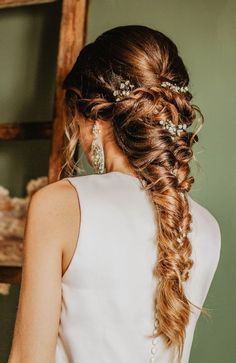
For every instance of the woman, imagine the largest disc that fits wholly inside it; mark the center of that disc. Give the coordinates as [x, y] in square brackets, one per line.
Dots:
[131, 252]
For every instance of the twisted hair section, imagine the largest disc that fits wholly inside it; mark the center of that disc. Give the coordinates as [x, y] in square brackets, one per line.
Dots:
[146, 57]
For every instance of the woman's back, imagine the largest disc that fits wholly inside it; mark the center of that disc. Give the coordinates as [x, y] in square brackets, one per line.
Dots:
[108, 288]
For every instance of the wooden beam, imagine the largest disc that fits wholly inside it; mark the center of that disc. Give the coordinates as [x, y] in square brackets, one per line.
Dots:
[72, 39]
[13, 3]
[10, 274]
[26, 130]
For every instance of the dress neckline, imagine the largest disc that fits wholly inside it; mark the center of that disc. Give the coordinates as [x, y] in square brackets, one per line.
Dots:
[121, 173]
[132, 177]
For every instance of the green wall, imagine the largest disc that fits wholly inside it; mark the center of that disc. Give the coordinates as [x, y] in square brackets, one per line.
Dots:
[205, 33]
[28, 40]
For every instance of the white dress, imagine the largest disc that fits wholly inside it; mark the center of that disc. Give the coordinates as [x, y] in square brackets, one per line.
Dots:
[108, 288]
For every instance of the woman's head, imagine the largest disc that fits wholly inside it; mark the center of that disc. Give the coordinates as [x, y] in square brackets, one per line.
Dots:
[146, 58]
[142, 55]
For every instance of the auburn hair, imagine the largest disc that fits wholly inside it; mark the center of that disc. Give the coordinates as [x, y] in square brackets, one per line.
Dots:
[146, 57]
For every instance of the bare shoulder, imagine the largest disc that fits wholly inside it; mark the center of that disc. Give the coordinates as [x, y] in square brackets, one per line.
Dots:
[49, 225]
[57, 194]
[56, 205]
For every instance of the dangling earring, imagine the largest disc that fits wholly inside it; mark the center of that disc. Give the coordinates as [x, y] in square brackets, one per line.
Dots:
[97, 151]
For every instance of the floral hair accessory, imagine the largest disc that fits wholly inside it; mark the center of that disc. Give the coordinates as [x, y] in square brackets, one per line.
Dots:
[174, 130]
[125, 88]
[175, 87]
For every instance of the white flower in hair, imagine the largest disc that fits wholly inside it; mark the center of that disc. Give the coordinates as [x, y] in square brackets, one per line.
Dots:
[125, 88]
[175, 87]
[174, 130]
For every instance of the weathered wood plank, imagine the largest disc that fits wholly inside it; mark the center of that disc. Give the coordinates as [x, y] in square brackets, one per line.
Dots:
[14, 3]
[72, 38]
[10, 274]
[26, 130]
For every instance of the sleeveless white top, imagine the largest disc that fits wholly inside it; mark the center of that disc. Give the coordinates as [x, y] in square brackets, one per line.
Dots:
[108, 287]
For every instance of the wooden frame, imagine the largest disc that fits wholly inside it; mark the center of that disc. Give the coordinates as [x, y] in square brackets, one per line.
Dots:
[71, 40]
[26, 130]
[14, 3]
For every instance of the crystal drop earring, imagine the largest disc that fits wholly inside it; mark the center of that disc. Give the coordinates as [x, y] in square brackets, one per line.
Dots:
[97, 151]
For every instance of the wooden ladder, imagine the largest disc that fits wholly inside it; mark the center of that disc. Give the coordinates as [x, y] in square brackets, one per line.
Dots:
[71, 40]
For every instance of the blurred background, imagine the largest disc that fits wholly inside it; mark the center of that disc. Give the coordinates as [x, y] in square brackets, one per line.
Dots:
[205, 33]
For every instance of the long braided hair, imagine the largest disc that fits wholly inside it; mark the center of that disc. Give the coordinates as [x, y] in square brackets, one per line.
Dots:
[147, 58]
